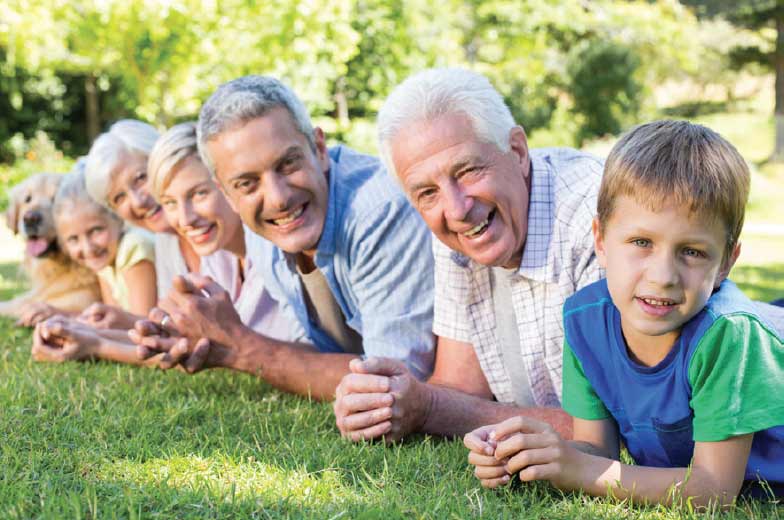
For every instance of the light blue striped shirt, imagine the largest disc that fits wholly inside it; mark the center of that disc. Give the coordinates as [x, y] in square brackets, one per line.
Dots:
[375, 254]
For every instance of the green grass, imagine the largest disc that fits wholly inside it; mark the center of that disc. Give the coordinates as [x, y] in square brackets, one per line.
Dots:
[98, 440]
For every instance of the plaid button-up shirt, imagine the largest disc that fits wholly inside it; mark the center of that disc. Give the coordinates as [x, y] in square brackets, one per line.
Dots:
[558, 259]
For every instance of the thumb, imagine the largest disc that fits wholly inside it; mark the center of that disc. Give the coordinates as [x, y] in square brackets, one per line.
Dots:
[380, 366]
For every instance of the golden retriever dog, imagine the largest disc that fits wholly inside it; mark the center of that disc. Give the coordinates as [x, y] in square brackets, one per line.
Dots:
[56, 280]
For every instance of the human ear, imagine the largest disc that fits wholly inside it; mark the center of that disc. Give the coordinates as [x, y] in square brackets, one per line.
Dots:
[727, 266]
[322, 155]
[598, 242]
[518, 143]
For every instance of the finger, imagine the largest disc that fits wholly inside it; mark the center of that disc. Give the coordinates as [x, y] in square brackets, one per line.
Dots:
[198, 357]
[379, 366]
[204, 285]
[352, 403]
[540, 472]
[532, 458]
[478, 459]
[523, 441]
[496, 482]
[146, 328]
[489, 472]
[175, 354]
[374, 432]
[364, 383]
[164, 313]
[365, 420]
[475, 441]
[518, 424]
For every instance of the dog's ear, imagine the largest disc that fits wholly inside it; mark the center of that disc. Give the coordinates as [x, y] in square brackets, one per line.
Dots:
[12, 212]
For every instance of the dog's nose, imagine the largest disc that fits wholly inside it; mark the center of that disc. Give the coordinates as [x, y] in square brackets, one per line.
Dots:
[32, 219]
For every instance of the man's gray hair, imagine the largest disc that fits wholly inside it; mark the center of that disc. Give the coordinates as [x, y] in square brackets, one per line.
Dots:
[124, 136]
[239, 101]
[432, 93]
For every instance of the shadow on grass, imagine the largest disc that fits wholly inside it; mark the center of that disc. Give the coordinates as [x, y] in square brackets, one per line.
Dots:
[760, 282]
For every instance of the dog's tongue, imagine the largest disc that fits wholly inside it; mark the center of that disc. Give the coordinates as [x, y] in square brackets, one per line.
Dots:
[36, 246]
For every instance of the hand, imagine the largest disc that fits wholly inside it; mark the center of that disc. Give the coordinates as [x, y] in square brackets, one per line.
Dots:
[61, 339]
[33, 313]
[380, 397]
[200, 308]
[490, 471]
[168, 347]
[535, 450]
[102, 316]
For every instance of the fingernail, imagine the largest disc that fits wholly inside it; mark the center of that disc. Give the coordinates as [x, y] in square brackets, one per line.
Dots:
[505, 478]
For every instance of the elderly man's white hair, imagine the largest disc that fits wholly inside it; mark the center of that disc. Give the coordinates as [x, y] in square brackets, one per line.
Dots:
[124, 136]
[432, 93]
[240, 100]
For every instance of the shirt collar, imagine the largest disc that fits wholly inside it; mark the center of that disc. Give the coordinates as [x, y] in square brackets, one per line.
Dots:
[540, 224]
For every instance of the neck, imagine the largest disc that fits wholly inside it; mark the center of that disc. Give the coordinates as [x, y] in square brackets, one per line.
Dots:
[646, 350]
[236, 245]
[306, 261]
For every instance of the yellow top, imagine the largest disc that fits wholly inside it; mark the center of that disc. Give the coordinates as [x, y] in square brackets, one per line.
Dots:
[135, 245]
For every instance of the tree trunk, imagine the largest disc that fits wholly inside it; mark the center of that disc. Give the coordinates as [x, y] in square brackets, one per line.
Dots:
[91, 105]
[778, 151]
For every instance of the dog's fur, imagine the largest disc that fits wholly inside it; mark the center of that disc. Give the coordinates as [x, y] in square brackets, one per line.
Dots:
[55, 279]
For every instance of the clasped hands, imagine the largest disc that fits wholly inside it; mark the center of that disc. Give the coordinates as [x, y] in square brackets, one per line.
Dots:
[530, 448]
[189, 326]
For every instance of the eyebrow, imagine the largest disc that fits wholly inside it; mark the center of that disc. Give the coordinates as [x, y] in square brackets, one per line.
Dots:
[471, 160]
[276, 163]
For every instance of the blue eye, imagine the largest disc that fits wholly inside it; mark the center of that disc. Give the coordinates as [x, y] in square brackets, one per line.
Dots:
[641, 242]
[694, 253]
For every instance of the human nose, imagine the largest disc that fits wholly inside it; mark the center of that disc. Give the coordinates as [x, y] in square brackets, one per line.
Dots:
[276, 193]
[662, 270]
[186, 215]
[139, 199]
[456, 203]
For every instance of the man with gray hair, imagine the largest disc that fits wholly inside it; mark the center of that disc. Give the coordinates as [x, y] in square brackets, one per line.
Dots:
[514, 241]
[344, 248]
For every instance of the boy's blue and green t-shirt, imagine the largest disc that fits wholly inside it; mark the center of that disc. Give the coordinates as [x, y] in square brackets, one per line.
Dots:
[723, 377]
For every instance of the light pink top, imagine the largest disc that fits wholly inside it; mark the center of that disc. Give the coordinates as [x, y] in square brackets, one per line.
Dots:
[257, 309]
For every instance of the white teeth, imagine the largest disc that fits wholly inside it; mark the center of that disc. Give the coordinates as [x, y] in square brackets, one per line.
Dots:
[651, 301]
[198, 231]
[152, 212]
[476, 229]
[291, 218]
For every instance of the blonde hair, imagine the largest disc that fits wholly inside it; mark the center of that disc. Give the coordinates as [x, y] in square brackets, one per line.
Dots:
[680, 162]
[72, 193]
[174, 146]
[124, 136]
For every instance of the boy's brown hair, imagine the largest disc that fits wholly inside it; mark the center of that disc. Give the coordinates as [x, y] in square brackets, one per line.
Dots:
[680, 162]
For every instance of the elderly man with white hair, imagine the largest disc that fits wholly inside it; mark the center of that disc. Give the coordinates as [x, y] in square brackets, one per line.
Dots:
[513, 229]
[344, 248]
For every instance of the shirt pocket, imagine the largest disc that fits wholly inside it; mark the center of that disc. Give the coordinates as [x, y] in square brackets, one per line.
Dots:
[676, 439]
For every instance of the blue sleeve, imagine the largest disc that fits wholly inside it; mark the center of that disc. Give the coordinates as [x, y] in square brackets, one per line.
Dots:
[392, 280]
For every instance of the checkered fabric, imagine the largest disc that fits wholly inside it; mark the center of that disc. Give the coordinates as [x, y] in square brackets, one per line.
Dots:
[558, 259]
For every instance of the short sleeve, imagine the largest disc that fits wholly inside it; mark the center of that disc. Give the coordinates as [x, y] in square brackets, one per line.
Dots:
[135, 246]
[579, 398]
[450, 315]
[737, 379]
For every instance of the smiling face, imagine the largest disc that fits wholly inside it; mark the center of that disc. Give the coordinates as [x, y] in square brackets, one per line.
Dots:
[473, 196]
[129, 194]
[274, 179]
[197, 210]
[89, 236]
[662, 267]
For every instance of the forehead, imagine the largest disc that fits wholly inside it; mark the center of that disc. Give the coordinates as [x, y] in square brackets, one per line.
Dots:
[126, 166]
[40, 186]
[255, 145]
[185, 174]
[77, 219]
[430, 148]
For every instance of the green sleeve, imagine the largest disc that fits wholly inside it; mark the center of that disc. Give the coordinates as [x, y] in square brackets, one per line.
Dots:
[579, 398]
[737, 379]
[135, 245]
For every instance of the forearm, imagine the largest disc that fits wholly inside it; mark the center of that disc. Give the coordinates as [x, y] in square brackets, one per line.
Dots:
[120, 349]
[292, 367]
[600, 476]
[452, 412]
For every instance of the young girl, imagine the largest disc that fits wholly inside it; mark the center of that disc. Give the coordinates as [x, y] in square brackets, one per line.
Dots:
[123, 258]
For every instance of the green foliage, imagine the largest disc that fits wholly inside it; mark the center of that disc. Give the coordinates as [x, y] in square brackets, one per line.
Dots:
[605, 89]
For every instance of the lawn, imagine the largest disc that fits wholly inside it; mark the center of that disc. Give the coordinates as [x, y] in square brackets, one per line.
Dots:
[99, 440]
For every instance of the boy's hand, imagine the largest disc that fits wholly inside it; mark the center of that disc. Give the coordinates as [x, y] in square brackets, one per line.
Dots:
[490, 471]
[537, 452]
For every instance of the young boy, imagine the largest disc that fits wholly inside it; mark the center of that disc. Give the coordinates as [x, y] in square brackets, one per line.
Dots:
[665, 355]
